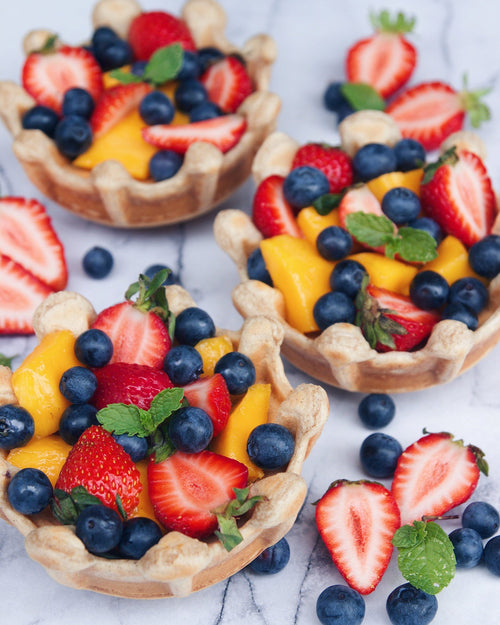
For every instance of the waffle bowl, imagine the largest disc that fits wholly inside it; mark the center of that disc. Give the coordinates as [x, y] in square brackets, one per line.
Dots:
[178, 565]
[340, 355]
[108, 194]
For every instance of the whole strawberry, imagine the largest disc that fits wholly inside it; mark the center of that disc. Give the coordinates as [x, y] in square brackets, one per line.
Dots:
[332, 161]
[152, 30]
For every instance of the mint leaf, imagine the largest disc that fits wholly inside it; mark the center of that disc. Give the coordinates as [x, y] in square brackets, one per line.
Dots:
[161, 445]
[165, 403]
[66, 507]
[327, 202]
[125, 78]
[417, 245]
[122, 419]
[164, 65]
[6, 361]
[228, 532]
[374, 230]
[362, 96]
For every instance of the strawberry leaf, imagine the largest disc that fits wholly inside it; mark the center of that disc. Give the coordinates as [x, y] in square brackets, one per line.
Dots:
[123, 419]
[362, 96]
[164, 65]
[450, 157]
[228, 532]
[49, 45]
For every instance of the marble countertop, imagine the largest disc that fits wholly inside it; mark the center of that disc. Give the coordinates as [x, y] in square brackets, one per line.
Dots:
[452, 38]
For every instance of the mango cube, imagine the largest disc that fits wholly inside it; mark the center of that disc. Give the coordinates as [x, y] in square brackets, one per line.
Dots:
[452, 261]
[312, 223]
[211, 351]
[46, 454]
[387, 273]
[409, 179]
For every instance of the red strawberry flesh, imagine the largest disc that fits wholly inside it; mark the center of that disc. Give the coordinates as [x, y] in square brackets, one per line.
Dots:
[211, 395]
[228, 83]
[271, 213]
[152, 30]
[115, 104]
[332, 161]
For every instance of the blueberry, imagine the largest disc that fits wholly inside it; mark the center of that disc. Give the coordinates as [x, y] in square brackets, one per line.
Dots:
[459, 312]
[75, 420]
[205, 110]
[238, 372]
[138, 536]
[376, 410]
[429, 290]
[138, 67]
[407, 605]
[192, 325]
[16, 426]
[115, 53]
[379, 455]
[29, 491]
[333, 98]
[190, 429]
[183, 364]
[270, 446]
[340, 605]
[78, 384]
[470, 292]
[303, 185]
[103, 36]
[99, 528]
[164, 164]
[77, 101]
[191, 66]
[208, 56]
[467, 546]
[334, 243]
[256, 267]
[41, 118]
[343, 111]
[94, 348]
[492, 555]
[401, 205]
[73, 136]
[273, 559]
[428, 225]
[152, 270]
[373, 160]
[333, 307]
[156, 108]
[97, 262]
[410, 154]
[484, 256]
[135, 446]
[189, 94]
[347, 277]
[482, 517]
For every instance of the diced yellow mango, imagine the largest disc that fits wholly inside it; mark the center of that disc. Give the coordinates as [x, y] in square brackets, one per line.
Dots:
[409, 179]
[387, 273]
[250, 412]
[144, 507]
[312, 223]
[108, 81]
[46, 454]
[452, 261]
[300, 273]
[211, 351]
[36, 381]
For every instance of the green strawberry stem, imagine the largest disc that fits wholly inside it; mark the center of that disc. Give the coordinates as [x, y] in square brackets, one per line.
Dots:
[228, 532]
[151, 295]
[471, 102]
[400, 24]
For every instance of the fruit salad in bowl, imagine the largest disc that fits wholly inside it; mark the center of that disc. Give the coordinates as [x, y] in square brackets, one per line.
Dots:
[156, 461]
[155, 120]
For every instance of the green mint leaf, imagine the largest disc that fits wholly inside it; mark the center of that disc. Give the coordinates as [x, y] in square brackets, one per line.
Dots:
[6, 361]
[125, 78]
[164, 65]
[49, 46]
[66, 507]
[147, 421]
[392, 247]
[122, 419]
[119, 505]
[160, 444]
[228, 532]
[374, 230]
[416, 245]
[362, 96]
[165, 403]
[408, 536]
[326, 203]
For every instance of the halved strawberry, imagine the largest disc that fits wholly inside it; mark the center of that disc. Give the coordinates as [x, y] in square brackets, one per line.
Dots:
[27, 236]
[47, 76]
[223, 132]
[185, 489]
[20, 294]
[211, 395]
[152, 30]
[271, 213]
[359, 199]
[460, 196]
[115, 104]
[357, 521]
[227, 83]
[435, 474]
[332, 161]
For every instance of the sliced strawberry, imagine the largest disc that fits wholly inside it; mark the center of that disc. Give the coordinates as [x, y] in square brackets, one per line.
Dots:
[227, 83]
[152, 30]
[435, 474]
[20, 294]
[359, 199]
[332, 161]
[185, 489]
[211, 395]
[271, 213]
[48, 76]
[223, 132]
[357, 521]
[115, 104]
[27, 236]
[460, 197]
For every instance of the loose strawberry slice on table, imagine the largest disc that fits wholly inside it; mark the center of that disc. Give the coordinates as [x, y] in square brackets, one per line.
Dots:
[115, 104]
[271, 213]
[332, 161]
[227, 83]
[152, 30]
[211, 395]
[222, 132]
[435, 474]
[357, 521]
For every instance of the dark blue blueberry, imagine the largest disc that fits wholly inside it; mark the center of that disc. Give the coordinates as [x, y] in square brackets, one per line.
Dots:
[303, 185]
[376, 410]
[334, 243]
[428, 225]
[484, 256]
[29, 491]
[470, 292]
[103, 36]
[273, 559]
[340, 605]
[190, 429]
[270, 446]
[256, 267]
[333, 307]
[99, 528]
[191, 66]
[459, 312]
[407, 605]
[429, 290]
[97, 262]
[205, 110]
[410, 154]
[468, 547]
[156, 108]
[41, 118]
[189, 94]
[347, 276]
[152, 270]
[333, 98]
[401, 205]
[113, 54]
[137, 68]
[135, 446]
[192, 325]
[238, 372]
[344, 111]
[94, 348]
[183, 364]
[139, 534]
[379, 455]
[78, 384]
[16, 426]
[208, 56]
[77, 101]
[492, 555]
[373, 160]
[73, 136]
[482, 517]
[164, 164]
[75, 420]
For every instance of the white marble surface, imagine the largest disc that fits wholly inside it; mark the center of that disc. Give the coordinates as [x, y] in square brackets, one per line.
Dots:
[452, 38]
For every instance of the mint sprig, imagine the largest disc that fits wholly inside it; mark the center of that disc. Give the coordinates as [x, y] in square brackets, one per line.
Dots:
[327, 202]
[228, 532]
[150, 296]
[66, 507]
[6, 361]
[362, 96]
[164, 65]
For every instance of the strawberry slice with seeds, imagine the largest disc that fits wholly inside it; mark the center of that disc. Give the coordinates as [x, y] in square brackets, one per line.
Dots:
[211, 395]
[332, 161]
[222, 132]
[227, 83]
[435, 474]
[357, 521]
[152, 30]
[115, 104]
[271, 213]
